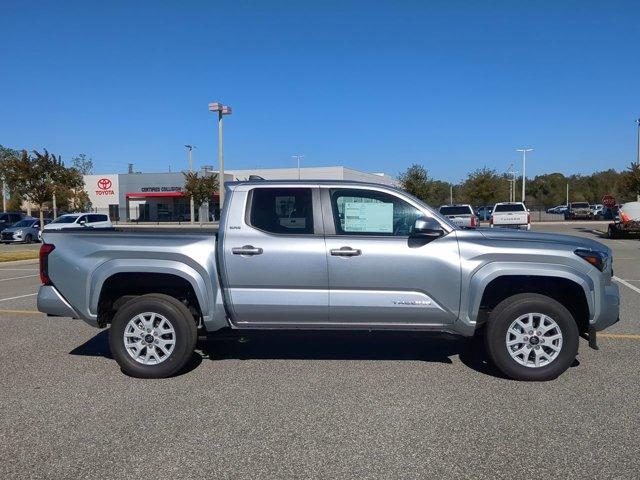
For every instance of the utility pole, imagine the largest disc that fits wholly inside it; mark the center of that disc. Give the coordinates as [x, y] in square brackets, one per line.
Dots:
[567, 194]
[512, 183]
[524, 151]
[298, 157]
[451, 194]
[192, 209]
[4, 196]
[222, 110]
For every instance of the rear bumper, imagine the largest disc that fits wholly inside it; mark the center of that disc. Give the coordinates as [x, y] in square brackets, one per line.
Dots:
[524, 226]
[610, 308]
[51, 302]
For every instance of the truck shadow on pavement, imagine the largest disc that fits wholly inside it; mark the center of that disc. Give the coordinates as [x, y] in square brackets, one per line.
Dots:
[301, 345]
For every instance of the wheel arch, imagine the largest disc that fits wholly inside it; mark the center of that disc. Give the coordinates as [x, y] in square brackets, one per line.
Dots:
[495, 282]
[117, 278]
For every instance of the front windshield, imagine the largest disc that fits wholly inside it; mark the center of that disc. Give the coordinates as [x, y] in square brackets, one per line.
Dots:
[4, 218]
[24, 223]
[66, 219]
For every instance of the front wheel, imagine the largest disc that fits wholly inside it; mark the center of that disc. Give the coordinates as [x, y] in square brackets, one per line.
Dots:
[152, 336]
[531, 337]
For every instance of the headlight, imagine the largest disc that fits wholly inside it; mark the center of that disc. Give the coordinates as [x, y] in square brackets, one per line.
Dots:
[600, 260]
[19, 233]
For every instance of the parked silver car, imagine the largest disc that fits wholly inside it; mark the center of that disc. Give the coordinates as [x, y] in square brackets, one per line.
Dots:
[25, 231]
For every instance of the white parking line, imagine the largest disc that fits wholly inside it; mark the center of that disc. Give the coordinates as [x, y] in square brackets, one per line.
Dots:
[627, 284]
[19, 296]
[18, 269]
[17, 278]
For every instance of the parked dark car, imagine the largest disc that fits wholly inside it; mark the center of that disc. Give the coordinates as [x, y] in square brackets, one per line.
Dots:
[7, 219]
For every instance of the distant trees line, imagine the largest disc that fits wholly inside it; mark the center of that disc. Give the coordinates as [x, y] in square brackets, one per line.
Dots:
[485, 187]
[43, 180]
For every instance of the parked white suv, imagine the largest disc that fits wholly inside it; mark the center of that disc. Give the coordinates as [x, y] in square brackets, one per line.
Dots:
[80, 220]
[510, 215]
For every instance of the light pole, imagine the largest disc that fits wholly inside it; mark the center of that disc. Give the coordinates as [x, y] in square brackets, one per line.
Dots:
[638, 156]
[524, 166]
[4, 196]
[192, 209]
[222, 110]
[298, 157]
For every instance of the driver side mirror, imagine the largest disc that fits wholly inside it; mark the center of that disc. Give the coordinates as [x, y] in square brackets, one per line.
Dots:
[83, 222]
[427, 227]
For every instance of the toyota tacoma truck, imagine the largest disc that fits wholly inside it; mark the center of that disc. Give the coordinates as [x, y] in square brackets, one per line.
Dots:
[331, 255]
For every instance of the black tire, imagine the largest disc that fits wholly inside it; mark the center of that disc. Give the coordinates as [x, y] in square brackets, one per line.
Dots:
[28, 238]
[507, 312]
[179, 317]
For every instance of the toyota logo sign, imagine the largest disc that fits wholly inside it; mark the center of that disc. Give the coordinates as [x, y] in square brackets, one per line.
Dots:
[104, 184]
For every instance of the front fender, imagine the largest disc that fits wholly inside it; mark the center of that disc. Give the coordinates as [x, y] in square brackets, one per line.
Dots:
[472, 296]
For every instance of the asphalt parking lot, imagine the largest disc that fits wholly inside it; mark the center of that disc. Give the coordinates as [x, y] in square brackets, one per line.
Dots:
[300, 405]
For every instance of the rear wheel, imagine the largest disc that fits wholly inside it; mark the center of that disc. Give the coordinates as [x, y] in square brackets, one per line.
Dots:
[152, 336]
[531, 337]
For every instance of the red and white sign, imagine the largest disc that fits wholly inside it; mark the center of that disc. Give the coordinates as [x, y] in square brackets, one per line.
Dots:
[104, 187]
[608, 201]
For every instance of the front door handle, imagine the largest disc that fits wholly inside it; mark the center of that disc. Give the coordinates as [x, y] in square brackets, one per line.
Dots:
[246, 250]
[345, 252]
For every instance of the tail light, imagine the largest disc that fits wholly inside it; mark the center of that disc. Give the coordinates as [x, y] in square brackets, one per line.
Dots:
[45, 250]
[491, 220]
[474, 221]
[528, 218]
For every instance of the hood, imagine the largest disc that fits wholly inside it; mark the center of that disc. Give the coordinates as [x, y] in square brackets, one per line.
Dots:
[569, 241]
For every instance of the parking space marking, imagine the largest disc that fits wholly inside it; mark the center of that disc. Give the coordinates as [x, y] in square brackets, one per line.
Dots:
[18, 278]
[19, 296]
[628, 336]
[21, 312]
[18, 269]
[627, 284]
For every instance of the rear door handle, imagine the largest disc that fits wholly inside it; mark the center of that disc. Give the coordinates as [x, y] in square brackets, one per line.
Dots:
[246, 250]
[345, 252]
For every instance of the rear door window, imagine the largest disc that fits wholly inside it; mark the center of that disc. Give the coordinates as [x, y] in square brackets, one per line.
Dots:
[286, 211]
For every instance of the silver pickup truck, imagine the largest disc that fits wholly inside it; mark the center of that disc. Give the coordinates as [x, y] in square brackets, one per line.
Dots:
[332, 255]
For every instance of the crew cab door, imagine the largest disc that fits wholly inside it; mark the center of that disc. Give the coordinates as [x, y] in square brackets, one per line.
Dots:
[379, 273]
[273, 256]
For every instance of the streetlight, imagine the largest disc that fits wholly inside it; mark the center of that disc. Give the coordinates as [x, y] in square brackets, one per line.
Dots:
[222, 110]
[298, 157]
[191, 204]
[524, 165]
[638, 155]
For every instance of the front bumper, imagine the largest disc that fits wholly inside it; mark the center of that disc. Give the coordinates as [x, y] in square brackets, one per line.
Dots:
[609, 309]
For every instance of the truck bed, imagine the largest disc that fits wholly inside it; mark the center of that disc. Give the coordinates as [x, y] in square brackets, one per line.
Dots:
[83, 260]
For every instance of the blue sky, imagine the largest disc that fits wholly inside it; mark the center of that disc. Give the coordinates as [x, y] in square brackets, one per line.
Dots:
[453, 85]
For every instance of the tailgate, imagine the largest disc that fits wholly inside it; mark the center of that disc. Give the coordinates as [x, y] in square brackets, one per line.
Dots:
[510, 218]
[460, 220]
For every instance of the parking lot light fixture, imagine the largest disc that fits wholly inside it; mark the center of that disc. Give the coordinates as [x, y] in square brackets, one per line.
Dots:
[222, 110]
[524, 165]
[191, 204]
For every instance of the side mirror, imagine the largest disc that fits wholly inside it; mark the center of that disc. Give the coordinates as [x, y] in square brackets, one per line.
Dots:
[427, 227]
[83, 222]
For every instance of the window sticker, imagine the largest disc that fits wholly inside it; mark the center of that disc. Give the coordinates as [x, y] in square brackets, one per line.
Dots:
[368, 217]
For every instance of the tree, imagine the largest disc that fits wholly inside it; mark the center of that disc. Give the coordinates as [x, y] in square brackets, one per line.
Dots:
[485, 187]
[39, 177]
[630, 181]
[200, 188]
[82, 164]
[416, 181]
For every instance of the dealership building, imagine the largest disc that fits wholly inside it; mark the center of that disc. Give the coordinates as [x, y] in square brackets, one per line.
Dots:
[160, 196]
